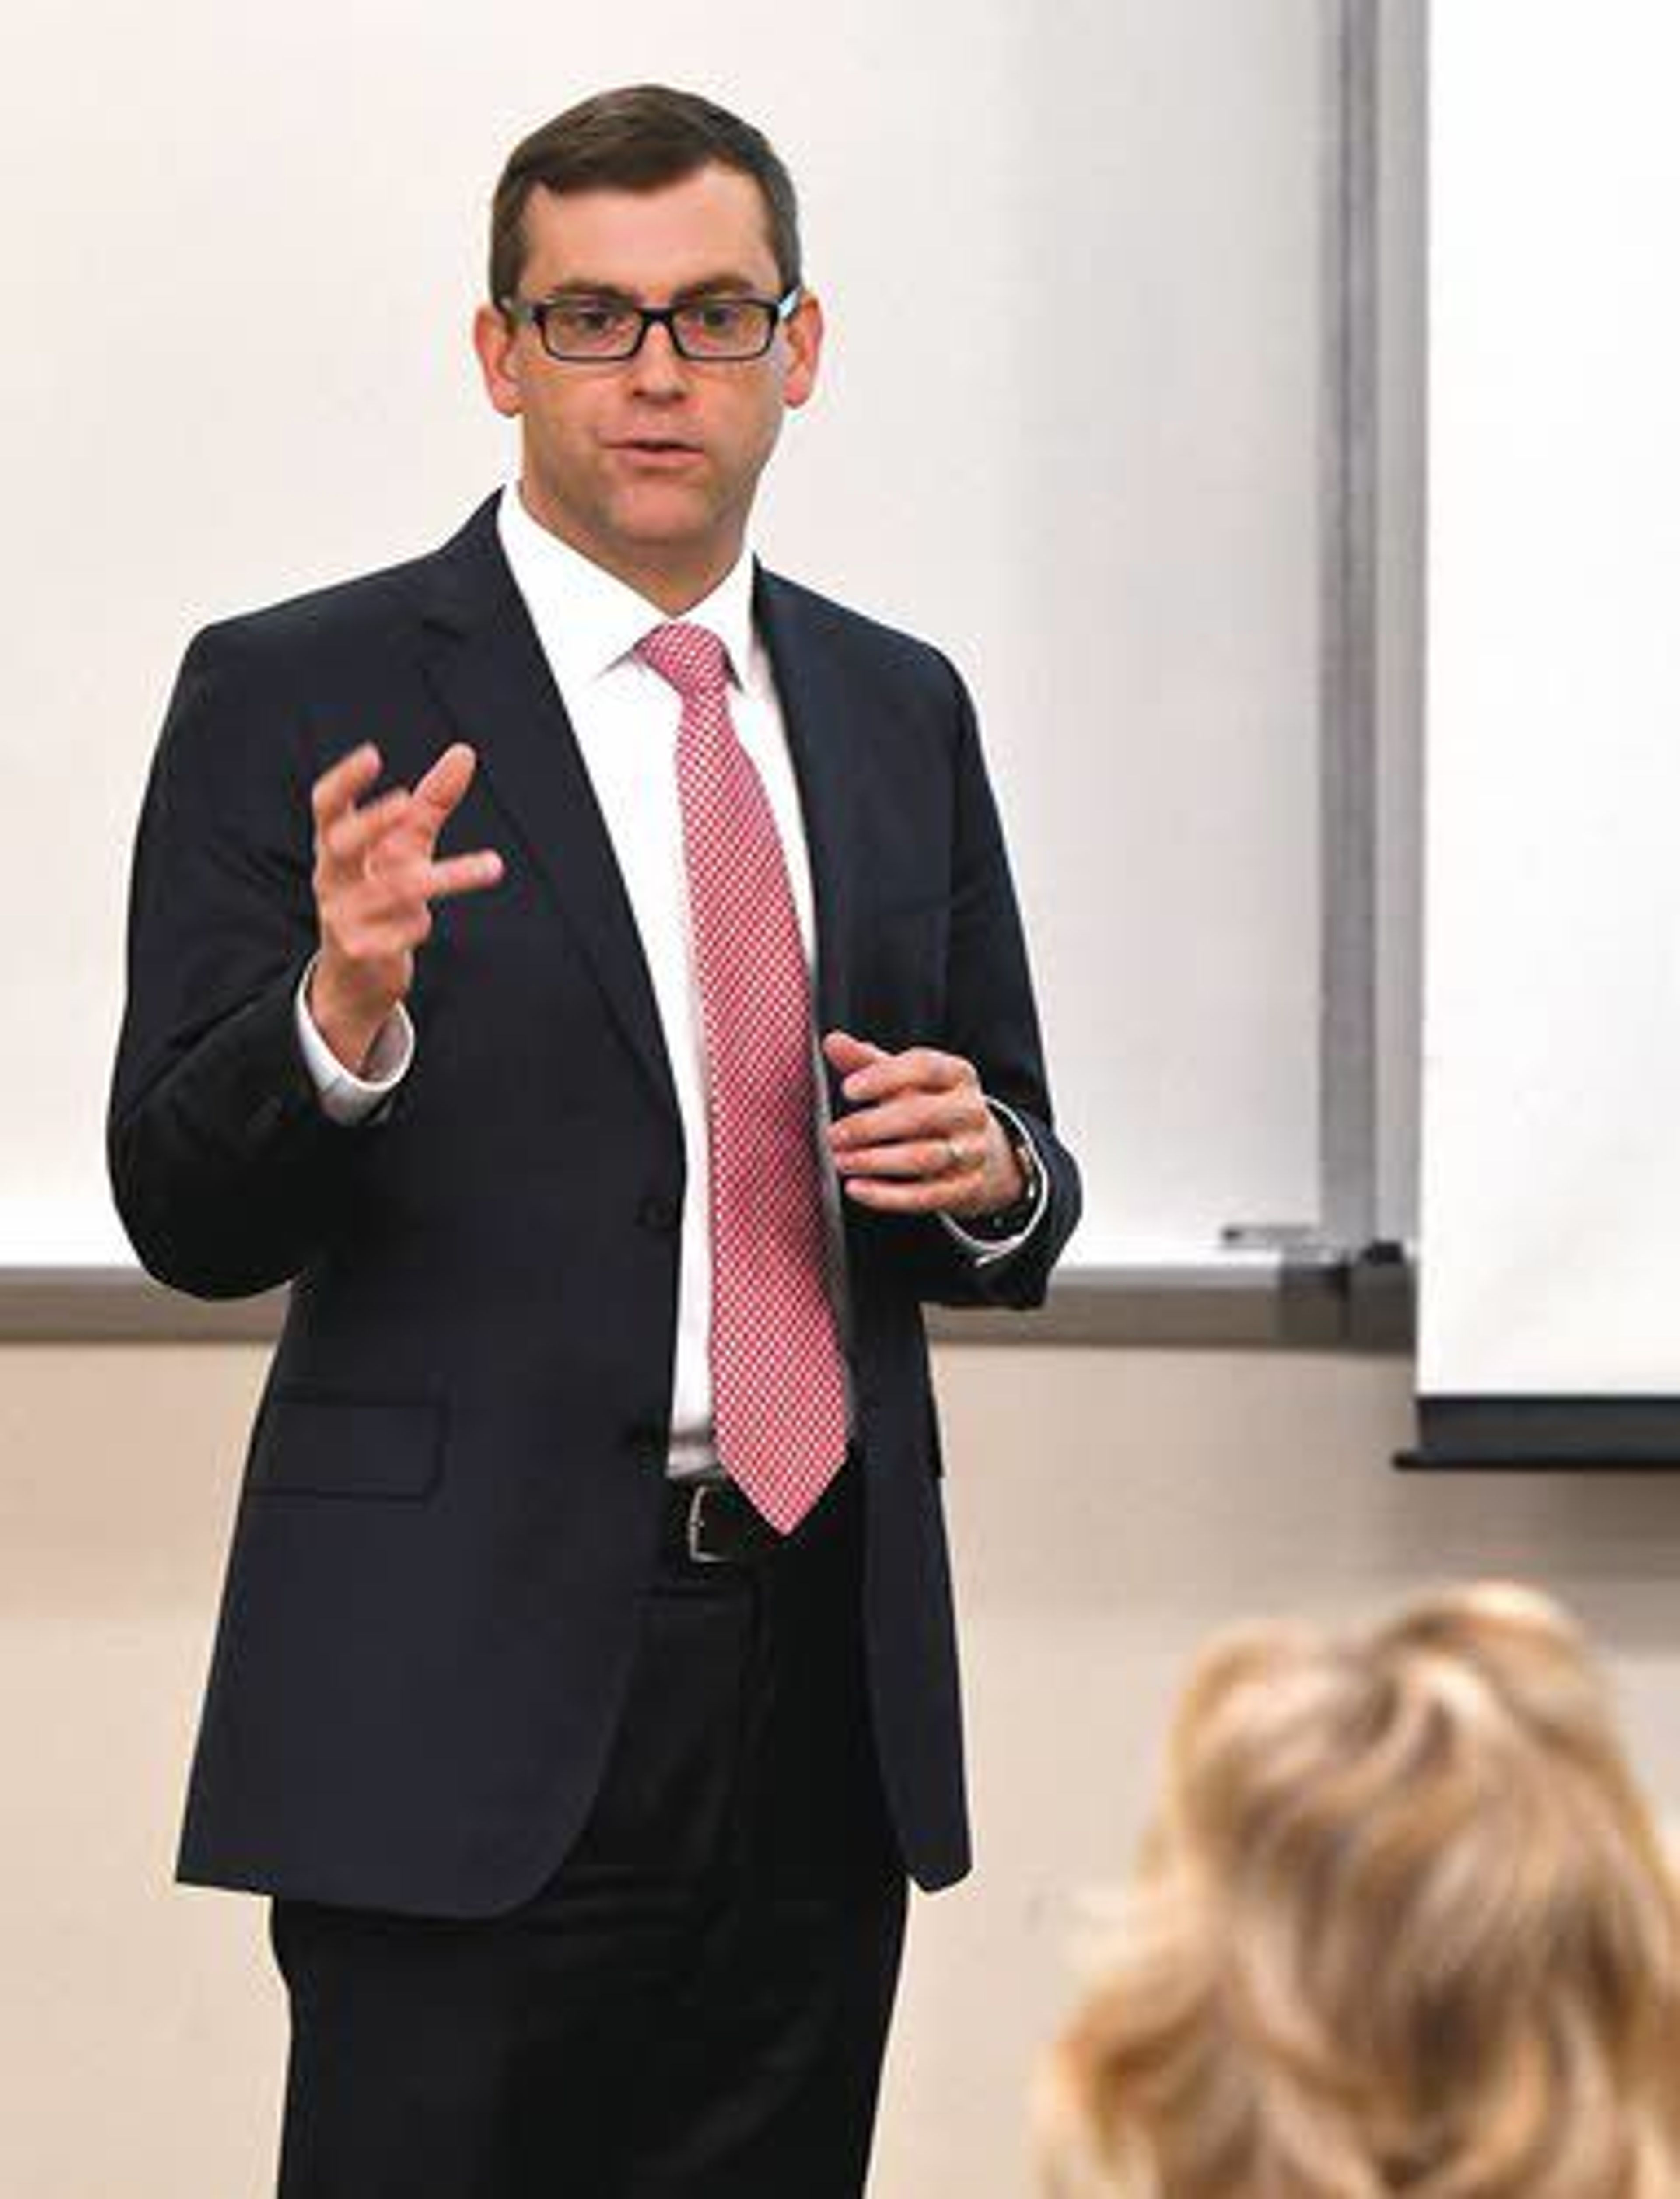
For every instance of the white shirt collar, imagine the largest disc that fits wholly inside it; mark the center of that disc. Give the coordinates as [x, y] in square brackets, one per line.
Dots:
[589, 619]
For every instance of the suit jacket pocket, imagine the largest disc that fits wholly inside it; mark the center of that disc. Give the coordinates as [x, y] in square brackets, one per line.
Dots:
[313, 1445]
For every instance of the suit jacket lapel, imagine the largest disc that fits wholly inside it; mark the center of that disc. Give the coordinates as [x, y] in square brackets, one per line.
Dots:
[814, 713]
[489, 669]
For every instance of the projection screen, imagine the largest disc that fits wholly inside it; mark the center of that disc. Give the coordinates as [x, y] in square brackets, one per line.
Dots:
[1550, 1151]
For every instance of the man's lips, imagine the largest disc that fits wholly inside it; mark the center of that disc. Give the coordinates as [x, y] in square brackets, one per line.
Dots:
[656, 449]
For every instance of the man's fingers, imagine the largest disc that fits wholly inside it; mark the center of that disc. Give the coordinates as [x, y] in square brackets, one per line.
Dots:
[439, 792]
[915, 1141]
[911, 1115]
[402, 896]
[916, 1158]
[437, 795]
[920, 1069]
[931, 1195]
[844, 1054]
[408, 884]
[389, 842]
[347, 841]
[459, 874]
[336, 790]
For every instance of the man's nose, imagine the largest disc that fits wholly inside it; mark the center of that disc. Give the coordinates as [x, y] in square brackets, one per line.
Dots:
[658, 368]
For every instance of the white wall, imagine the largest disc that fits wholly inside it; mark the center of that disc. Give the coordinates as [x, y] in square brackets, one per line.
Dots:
[1068, 429]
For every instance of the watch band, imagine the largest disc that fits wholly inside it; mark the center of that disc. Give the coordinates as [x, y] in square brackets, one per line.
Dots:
[1009, 1221]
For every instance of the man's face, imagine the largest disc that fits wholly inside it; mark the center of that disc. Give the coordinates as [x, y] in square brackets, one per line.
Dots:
[649, 465]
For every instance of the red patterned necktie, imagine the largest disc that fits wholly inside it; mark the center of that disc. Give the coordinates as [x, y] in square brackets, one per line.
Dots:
[779, 1399]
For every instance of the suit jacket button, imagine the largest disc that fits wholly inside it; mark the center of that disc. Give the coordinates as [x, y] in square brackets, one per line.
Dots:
[660, 1214]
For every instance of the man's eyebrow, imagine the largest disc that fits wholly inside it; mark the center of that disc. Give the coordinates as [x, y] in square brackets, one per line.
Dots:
[725, 285]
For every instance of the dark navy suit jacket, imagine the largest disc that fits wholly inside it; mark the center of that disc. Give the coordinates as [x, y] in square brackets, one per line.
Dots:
[454, 1485]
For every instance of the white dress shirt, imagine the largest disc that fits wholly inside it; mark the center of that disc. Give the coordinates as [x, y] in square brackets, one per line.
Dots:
[626, 718]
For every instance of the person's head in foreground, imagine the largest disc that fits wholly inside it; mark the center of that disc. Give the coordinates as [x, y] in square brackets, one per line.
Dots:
[1402, 1927]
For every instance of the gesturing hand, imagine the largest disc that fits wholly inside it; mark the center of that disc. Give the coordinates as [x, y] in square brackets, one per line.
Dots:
[923, 1140]
[375, 878]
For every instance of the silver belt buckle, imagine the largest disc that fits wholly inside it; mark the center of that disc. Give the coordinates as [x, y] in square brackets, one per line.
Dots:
[696, 1513]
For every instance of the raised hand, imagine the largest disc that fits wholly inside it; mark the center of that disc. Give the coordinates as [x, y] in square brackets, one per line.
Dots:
[922, 1139]
[376, 875]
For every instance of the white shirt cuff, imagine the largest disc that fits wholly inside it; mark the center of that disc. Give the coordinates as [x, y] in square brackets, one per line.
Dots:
[344, 1098]
[987, 1251]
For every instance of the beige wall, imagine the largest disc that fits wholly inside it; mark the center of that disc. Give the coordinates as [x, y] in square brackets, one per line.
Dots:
[1108, 1508]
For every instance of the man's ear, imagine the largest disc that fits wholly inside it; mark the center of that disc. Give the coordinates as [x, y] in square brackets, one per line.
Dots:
[803, 336]
[499, 361]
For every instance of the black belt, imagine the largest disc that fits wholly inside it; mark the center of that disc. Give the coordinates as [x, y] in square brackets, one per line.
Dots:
[711, 1523]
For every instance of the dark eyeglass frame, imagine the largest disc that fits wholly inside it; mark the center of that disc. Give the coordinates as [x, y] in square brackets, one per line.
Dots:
[533, 312]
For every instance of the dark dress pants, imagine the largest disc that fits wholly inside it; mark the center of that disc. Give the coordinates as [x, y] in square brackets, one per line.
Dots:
[695, 2004]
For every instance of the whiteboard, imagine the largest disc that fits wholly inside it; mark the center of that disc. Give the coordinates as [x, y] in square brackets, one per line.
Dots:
[1551, 1182]
[1068, 430]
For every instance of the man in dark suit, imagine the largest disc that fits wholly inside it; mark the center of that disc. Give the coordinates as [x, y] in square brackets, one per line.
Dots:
[585, 1685]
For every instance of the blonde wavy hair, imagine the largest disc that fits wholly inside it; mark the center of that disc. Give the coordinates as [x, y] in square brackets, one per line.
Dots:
[1402, 1927]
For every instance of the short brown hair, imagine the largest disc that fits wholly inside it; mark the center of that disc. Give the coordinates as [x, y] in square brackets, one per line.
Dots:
[636, 139]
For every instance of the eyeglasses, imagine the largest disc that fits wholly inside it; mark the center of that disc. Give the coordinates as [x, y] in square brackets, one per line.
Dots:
[597, 329]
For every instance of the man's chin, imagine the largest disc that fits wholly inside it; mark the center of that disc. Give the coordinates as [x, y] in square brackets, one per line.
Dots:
[684, 532]
[664, 511]
[648, 529]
